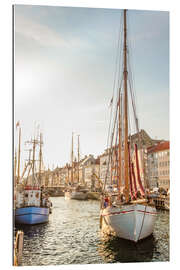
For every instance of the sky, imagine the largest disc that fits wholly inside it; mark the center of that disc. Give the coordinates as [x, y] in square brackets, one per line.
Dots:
[64, 70]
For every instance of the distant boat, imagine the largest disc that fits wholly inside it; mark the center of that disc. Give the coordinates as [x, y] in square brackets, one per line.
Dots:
[122, 213]
[32, 206]
[75, 191]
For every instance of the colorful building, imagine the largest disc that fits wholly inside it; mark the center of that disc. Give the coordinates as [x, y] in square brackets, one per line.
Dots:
[158, 165]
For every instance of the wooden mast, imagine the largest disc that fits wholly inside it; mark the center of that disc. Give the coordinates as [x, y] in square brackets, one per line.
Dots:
[15, 166]
[19, 156]
[78, 158]
[126, 174]
[68, 173]
[72, 155]
[40, 158]
[119, 148]
[33, 160]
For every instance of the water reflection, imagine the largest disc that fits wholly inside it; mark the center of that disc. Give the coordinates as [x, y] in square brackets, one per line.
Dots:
[33, 231]
[114, 249]
[72, 236]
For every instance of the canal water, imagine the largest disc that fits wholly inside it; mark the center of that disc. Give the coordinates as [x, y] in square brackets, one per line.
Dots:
[72, 236]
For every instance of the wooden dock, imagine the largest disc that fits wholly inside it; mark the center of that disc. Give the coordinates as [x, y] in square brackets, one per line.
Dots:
[18, 248]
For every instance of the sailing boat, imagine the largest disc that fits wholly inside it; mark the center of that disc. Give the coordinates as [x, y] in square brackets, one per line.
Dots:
[32, 206]
[128, 213]
[74, 190]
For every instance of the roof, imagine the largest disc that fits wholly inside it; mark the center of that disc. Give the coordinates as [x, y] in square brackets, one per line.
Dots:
[87, 159]
[97, 161]
[159, 147]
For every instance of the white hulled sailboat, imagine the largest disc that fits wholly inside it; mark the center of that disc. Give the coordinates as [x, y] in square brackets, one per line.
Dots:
[123, 213]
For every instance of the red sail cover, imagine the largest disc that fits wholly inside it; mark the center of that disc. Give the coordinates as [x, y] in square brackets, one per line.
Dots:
[130, 173]
[138, 172]
[134, 180]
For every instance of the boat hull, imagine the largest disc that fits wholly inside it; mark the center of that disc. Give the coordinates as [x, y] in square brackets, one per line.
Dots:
[76, 195]
[31, 215]
[131, 222]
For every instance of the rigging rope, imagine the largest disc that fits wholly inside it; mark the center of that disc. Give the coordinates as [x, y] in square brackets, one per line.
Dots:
[114, 83]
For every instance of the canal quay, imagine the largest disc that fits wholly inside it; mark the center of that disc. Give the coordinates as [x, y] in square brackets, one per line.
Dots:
[72, 236]
[64, 215]
[91, 186]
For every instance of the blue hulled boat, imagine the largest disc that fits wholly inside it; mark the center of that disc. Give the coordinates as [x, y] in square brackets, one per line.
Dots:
[31, 215]
[32, 205]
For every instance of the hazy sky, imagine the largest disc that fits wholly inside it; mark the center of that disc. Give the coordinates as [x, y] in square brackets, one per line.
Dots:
[64, 73]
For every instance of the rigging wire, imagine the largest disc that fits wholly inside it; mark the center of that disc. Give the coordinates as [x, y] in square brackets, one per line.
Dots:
[112, 137]
[116, 71]
[116, 81]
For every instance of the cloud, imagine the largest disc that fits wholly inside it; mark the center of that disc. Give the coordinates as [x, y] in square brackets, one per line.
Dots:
[38, 32]
[46, 36]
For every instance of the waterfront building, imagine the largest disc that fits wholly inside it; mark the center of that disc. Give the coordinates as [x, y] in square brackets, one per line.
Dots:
[146, 141]
[153, 163]
[89, 167]
[112, 175]
[103, 162]
[158, 165]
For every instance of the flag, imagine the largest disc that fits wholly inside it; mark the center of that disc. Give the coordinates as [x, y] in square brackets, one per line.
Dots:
[111, 102]
[17, 124]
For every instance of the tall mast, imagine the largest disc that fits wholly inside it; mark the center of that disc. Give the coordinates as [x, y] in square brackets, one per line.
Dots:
[33, 160]
[126, 174]
[78, 158]
[68, 173]
[111, 162]
[19, 154]
[72, 156]
[40, 158]
[15, 165]
[119, 146]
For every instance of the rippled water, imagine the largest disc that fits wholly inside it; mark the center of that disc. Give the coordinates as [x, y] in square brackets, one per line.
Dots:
[72, 236]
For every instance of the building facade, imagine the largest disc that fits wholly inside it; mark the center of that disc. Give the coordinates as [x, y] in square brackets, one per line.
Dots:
[158, 165]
